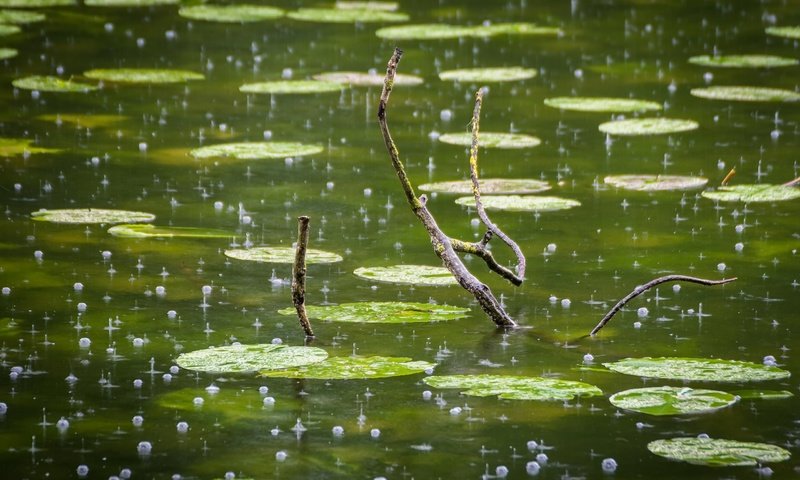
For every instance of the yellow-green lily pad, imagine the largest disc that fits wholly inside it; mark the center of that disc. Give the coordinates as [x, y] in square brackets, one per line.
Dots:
[367, 5]
[143, 75]
[361, 79]
[489, 75]
[91, 215]
[647, 126]
[281, 255]
[699, 369]
[36, 3]
[672, 400]
[651, 183]
[442, 31]
[52, 84]
[714, 452]
[792, 32]
[382, 312]
[239, 358]
[489, 186]
[256, 150]
[753, 193]
[6, 53]
[746, 94]
[492, 139]
[20, 17]
[289, 87]
[521, 203]
[514, 387]
[129, 3]
[408, 274]
[601, 104]
[347, 15]
[743, 61]
[242, 13]
[763, 394]
[146, 230]
[348, 368]
[21, 146]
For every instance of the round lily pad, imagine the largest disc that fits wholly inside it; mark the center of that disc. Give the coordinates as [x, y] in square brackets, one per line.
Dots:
[145, 230]
[346, 368]
[785, 32]
[21, 146]
[762, 394]
[365, 79]
[746, 94]
[129, 3]
[91, 215]
[8, 30]
[6, 53]
[243, 13]
[488, 75]
[650, 183]
[35, 3]
[753, 193]
[256, 150]
[672, 400]
[701, 369]
[347, 15]
[489, 186]
[601, 104]
[280, 87]
[513, 387]
[281, 255]
[143, 75]
[240, 358]
[718, 452]
[441, 31]
[743, 61]
[52, 84]
[19, 17]
[492, 139]
[382, 312]
[647, 126]
[521, 203]
[408, 274]
[367, 5]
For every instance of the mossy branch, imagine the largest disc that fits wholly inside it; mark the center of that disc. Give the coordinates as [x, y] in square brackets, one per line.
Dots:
[299, 276]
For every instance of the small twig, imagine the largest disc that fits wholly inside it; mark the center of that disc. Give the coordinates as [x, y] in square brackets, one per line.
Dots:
[792, 183]
[728, 177]
[647, 286]
[299, 276]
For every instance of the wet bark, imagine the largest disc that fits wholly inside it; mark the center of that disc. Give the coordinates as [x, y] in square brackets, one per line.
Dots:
[299, 276]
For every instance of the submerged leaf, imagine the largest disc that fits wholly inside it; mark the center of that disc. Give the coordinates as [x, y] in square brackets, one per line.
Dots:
[700, 369]
[129, 3]
[365, 79]
[8, 30]
[762, 394]
[17, 146]
[489, 186]
[382, 312]
[718, 452]
[52, 84]
[672, 400]
[279, 87]
[143, 75]
[240, 358]
[347, 15]
[743, 61]
[499, 74]
[647, 126]
[82, 121]
[145, 230]
[786, 32]
[649, 183]
[346, 368]
[91, 215]
[256, 150]
[19, 17]
[6, 53]
[36, 3]
[521, 203]
[242, 13]
[746, 94]
[281, 255]
[601, 104]
[491, 139]
[441, 31]
[753, 193]
[408, 274]
[367, 5]
[513, 387]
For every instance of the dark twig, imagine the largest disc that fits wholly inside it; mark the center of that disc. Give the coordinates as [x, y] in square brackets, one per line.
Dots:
[299, 275]
[647, 286]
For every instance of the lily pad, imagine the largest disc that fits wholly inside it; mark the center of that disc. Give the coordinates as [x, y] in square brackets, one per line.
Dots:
[6, 53]
[367, 5]
[651, 183]
[280, 87]
[256, 150]
[488, 75]
[492, 140]
[240, 358]
[36, 3]
[145, 230]
[382, 312]
[21, 146]
[743, 61]
[601, 104]
[347, 15]
[143, 75]
[281, 255]
[18, 17]
[242, 13]
[8, 30]
[347, 368]
[763, 394]
[91, 215]
[672, 400]
[718, 452]
[441, 31]
[408, 274]
[83, 121]
[785, 32]
[489, 186]
[700, 369]
[521, 203]
[746, 94]
[513, 387]
[129, 3]
[52, 84]
[366, 79]
[647, 126]
[753, 193]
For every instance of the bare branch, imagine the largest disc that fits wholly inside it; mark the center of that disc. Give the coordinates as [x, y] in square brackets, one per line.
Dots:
[299, 276]
[647, 286]
[792, 183]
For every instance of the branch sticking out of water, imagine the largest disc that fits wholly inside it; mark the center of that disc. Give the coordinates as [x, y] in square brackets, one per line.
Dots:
[299, 276]
[728, 177]
[792, 183]
[647, 286]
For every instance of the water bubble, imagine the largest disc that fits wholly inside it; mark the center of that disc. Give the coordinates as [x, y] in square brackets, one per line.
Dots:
[276, 341]
[206, 289]
[642, 312]
[125, 473]
[269, 401]
[639, 425]
[108, 27]
[374, 433]
[609, 465]
[267, 134]
[212, 389]
[739, 228]
[501, 471]
[367, 192]
[578, 73]
[446, 115]
[770, 361]
[708, 77]
[84, 342]
[38, 254]
[280, 455]
[263, 390]
[739, 246]
[533, 468]
[703, 436]
[137, 420]
[140, 42]
[137, 383]
[337, 431]
[426, 395]
[637, 325]
[138, 342]
[566, 302]
[721, 267]
[218, 205]
[182, 427]
[170, 35]
[532, 445]
[588, 358]
[143, 147]
[62, 424]
[82, 470]
[434, 135]
[167, 377]
[144, 447]
[3, 408]
[174, 369]
[676, 288]
[161, 291]
[286, 73]
[551, 247]
[78, 286]
[171, 314]
[198, 401]
[553, 299]
[455, 411]
[542, 458]
[6, 291]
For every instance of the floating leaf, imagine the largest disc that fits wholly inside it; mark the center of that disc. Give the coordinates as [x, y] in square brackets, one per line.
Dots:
[718, 452]
[492, 139]
[762, 394]
[347, 15]
[243, 13]
[281, 255]
[601, 104]
[151, 231]
[513, 387]
[35, 3]
[256, 150]
[367, 5]
[408, 274]
[279, 87]
[365, 79]
[21, 146]
[230, 403]
[129, 3]
[52, 84]
[382, 312]
[6, 53]
[743, 61]
[82, 121]
[18, 17]
[489, 186]
[143, 75]
[91, 215]
[8, 30]
[441, 31]
[701, 369]
[746, 94]
[499, 74]
[346, 368]
[672, 400]
[650, 183]
[521, 203]
[647, 126]
[240, 358]
[753, 193]
[786, 32]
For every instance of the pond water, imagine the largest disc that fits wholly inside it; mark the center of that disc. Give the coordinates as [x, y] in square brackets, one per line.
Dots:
[91, 322]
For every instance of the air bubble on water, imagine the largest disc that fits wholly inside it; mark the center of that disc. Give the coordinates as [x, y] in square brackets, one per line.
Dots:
[374, 433]
[676, 288]
[167, 377]
[533, 468]
[263, 390]
[708, 77]
[280, 455]
[637, 325]
[703, 436]
[426, 395]
[553, 299]
[721, 267]
[212, 389]
[78, 286]
[269, 401]
[770, 361]
[588, 358]
[171, 314]
[84, 342]
[3, 408]
[501, 471]
[137, 420]
[542, 458]
[198, 401]
[566, 302]
[137, 383]
[144, 447]
[6, 291]
[138, 342]
[82, 471]
[609, 465]
[455, 411]
[551, 247]
[276, 341]
[337, 431]
[182, 427]
[642, 312]
[739, 246]
[62, 424]
[446, 115]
